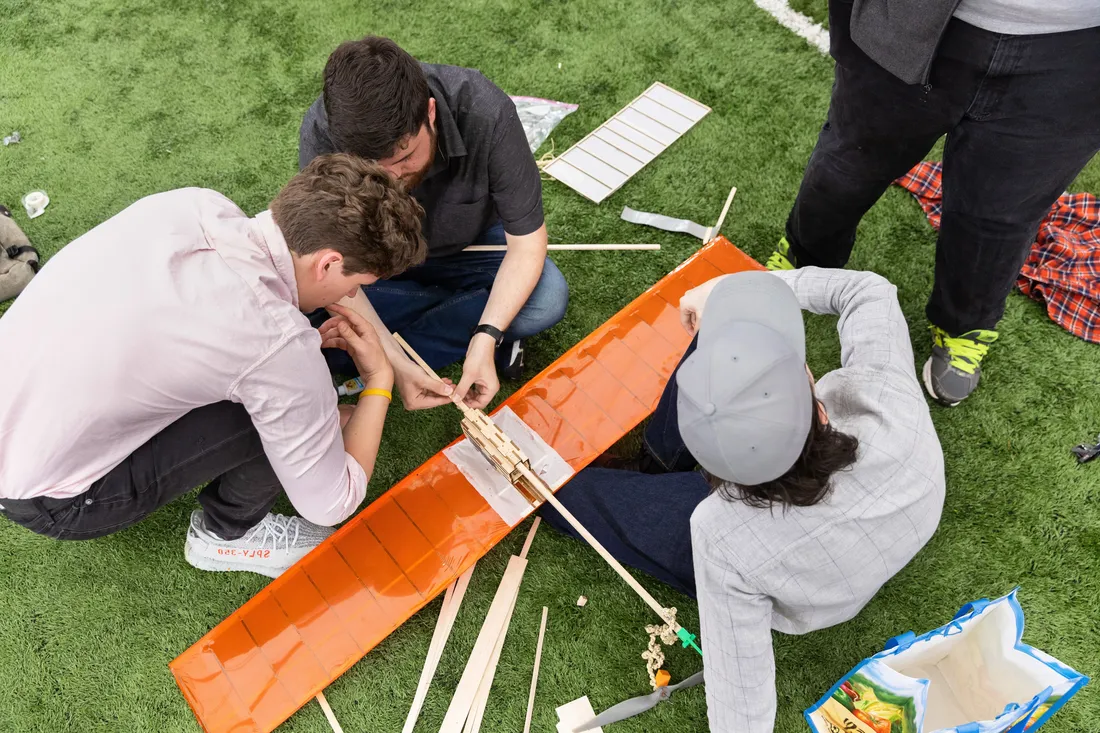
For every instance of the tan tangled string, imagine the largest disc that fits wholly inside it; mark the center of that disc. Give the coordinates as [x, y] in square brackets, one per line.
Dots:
[654, 655]
[544, 160]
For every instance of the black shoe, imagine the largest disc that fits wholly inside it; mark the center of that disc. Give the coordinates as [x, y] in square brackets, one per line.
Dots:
[509, 360]
[643, 462]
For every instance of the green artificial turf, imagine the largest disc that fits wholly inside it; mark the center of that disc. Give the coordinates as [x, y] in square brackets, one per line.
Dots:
[116, 100]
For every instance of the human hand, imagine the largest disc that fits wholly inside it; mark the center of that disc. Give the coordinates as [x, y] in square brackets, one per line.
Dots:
[351, 332]
[419, 391]
[692, 304]
[479, 383]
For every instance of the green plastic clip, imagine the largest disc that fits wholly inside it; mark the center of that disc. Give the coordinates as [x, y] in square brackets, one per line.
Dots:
[688, 639]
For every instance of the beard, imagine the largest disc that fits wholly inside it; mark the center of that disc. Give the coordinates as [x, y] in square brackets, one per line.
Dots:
[412, 180]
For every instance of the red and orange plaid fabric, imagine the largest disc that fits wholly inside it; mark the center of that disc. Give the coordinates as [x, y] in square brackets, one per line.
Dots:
[1063, 268]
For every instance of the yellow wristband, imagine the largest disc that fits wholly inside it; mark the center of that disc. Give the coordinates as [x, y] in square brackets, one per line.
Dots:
[380, 392]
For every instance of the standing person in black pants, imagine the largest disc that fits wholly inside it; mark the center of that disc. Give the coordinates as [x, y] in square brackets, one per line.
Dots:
[1015, 86]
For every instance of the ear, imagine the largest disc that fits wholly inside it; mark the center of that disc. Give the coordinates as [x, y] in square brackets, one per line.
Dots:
[431, 112]
[328, 261]
[822, 415]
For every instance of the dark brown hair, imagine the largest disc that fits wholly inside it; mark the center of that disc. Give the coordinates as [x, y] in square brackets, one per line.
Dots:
[375, 95]
[827, 450]
[355, 207]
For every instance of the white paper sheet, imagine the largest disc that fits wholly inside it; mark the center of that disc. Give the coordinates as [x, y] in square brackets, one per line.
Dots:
[505, 499]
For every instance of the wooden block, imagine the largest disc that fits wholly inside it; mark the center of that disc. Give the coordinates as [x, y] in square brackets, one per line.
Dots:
[573, 714]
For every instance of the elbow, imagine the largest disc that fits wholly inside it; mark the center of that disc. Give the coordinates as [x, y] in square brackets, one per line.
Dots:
[325, 517]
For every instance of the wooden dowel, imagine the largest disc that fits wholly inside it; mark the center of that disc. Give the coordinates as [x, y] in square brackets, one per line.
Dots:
[535, 673]
[548, 495]
[328, 713]
[544, 491]
[717, 228]
[565, 247]
[431, 372]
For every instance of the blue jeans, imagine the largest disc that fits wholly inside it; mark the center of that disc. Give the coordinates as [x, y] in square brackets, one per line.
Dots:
[435, 306]
[644, 520]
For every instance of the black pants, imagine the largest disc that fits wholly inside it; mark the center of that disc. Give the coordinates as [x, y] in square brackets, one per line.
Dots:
[217, 443]
[1022, 118]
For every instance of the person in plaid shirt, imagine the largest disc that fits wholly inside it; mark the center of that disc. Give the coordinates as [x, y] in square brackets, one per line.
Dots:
[1015, 87]
[812, 493]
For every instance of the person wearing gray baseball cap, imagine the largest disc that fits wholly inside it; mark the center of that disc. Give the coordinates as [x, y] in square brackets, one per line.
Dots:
[779, 501]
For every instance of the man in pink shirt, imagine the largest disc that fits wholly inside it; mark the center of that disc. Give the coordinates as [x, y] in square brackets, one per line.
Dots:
[182, 320]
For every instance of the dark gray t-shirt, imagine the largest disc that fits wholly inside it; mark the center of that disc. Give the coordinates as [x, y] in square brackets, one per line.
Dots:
[483, 169]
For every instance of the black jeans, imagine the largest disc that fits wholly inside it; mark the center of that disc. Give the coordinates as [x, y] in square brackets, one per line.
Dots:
[644, 520]
[1022, 118]
[216, 443]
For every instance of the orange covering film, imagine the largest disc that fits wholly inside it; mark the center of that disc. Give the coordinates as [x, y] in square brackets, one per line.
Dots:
[273, 655]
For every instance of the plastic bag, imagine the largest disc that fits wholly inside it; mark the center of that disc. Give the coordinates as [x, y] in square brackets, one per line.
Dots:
[540, 116]
[973, 675]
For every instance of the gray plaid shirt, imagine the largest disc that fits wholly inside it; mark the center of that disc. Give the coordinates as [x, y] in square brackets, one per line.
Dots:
[806, 568]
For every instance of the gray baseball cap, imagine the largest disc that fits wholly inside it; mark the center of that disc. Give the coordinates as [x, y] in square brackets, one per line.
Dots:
[744, 401]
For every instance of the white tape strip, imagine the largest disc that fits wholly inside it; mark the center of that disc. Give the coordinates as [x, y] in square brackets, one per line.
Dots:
[795, 21]
[668, 223]
[505, 499]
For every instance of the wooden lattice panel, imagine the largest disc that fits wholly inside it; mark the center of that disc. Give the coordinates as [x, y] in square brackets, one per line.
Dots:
[305, 629]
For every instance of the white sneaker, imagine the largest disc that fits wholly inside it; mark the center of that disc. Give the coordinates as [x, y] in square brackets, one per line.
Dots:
[269, 548]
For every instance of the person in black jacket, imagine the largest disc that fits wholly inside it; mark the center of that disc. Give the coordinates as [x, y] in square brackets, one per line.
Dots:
[1015, 86]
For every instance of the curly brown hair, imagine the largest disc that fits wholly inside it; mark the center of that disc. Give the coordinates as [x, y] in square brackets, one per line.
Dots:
[353, 206]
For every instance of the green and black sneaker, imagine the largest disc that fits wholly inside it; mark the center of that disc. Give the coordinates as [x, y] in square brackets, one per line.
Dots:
[781, 257]
[953, 370]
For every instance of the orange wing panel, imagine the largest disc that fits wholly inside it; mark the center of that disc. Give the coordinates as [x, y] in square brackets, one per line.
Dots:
[255, 669]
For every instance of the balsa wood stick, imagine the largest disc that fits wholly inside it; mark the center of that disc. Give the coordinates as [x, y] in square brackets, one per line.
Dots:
[499, 611]
[717, 228]
[452, 600]
[540, 487]
[535, 673]
[328, 713]
[548, 495]
[481, 699]
[424, 365]
[565, 247]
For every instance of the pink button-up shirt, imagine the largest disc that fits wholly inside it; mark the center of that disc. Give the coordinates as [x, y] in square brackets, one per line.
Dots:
[177, 302]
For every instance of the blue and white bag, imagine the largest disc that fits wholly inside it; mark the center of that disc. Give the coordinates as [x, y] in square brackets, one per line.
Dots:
[973, 675]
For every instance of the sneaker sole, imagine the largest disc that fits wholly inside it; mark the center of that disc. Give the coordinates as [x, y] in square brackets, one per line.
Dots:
[926, 373]
[205, 563]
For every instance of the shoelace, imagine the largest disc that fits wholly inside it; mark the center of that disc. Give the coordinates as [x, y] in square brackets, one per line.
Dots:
[778, 261]
[966, 354]
[276, 527]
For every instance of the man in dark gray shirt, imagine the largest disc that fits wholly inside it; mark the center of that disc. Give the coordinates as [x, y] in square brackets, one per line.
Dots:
[456, 140]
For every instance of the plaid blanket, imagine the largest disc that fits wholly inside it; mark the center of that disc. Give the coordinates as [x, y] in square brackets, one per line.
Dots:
[1063, 268]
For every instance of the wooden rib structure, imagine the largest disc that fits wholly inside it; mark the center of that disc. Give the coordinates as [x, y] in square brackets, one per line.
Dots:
[307, 627]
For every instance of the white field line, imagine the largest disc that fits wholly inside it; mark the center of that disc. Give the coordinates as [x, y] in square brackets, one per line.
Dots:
[793, 20]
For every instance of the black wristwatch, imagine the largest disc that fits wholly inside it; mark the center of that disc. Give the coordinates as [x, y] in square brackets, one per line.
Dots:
[493, 331]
